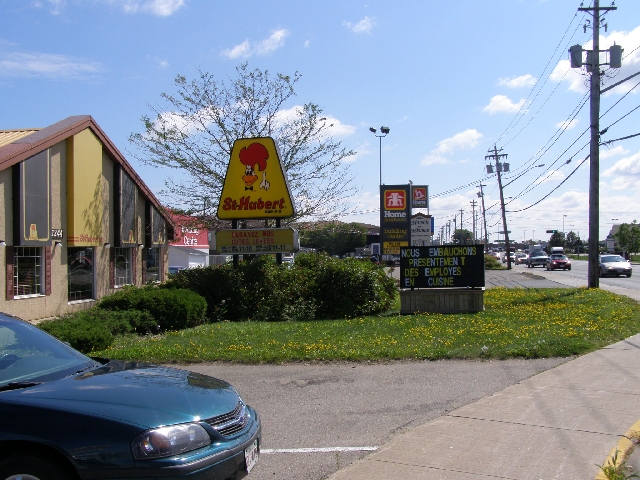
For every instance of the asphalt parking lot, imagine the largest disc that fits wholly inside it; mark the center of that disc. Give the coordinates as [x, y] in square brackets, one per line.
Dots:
[318, 418]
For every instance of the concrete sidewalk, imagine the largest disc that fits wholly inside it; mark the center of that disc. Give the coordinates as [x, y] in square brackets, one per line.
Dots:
[556, 425]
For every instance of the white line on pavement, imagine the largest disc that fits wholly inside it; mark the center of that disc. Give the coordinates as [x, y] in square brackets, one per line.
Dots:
[318, 450]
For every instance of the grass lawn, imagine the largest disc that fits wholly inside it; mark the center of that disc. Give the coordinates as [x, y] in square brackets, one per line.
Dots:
[524, 323]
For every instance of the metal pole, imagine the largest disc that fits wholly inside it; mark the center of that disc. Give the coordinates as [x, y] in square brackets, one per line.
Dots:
[484, 216]
[380, 137]
[594, 170]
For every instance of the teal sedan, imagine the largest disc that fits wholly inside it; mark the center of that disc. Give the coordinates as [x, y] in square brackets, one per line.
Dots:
[66, 416]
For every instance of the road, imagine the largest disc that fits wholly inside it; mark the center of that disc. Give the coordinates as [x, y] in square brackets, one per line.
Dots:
[578, 273]
[320, 417]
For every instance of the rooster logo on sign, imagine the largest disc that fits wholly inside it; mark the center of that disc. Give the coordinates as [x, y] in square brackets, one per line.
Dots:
[255, 155]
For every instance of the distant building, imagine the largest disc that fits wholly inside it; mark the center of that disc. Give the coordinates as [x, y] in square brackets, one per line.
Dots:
[76, 221]
[190, 248]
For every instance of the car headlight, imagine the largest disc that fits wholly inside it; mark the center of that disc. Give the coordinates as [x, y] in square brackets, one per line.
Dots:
[169, 441]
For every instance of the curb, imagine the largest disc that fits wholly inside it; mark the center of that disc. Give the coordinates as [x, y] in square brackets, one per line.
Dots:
[622, 451]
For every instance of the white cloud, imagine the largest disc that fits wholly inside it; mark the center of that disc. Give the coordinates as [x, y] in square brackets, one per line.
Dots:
[241, 50]
[163, 63]
[502, 104]
[264, 47]
[335, 127]
[564, 72]
[275, 41]
[27, 64]
[578, 79]
[161, 8]
[433, 159]
[460, 141]
[568, 125]
[613, 152]
[363, 26]
[518, 82]
[627, 168]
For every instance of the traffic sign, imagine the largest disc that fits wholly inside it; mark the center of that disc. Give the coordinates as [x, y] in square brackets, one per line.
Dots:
[552, 231]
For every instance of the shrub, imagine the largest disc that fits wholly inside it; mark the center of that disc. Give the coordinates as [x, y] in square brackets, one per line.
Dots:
[172, 309]
[94, 329]
[316, 286]
[492, 263]
[218, 285]
[256, 290]
[352, 287]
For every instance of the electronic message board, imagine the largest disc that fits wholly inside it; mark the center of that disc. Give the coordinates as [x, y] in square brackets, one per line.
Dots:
[257, 240]
[441, 266]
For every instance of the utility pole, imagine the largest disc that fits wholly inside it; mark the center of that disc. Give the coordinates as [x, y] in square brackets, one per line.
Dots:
[455, 227]
[461, 225]
[484, 216]
[497, 156]
[593, 66]
[473, 218]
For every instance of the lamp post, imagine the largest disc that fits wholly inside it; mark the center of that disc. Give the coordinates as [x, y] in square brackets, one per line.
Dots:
[384, 132]
[563, 236]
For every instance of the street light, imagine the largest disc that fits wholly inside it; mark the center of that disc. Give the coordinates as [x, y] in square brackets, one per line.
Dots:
[384, 131]
[563, 224]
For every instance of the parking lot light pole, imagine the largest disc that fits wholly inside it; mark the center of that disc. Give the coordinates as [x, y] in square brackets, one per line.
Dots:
[384, 132]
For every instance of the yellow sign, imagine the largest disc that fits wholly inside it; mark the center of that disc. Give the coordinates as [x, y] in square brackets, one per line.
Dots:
[393, 248]
[255, 185]
[257, 240]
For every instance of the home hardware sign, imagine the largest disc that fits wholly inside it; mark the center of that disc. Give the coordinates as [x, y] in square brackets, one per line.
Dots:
[442, 266]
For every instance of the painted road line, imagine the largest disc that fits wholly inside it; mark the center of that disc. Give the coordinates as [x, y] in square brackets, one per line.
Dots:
[318, 450]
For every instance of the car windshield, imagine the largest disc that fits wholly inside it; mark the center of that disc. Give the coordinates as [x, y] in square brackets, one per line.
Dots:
[27, 354]
[559, 257]
[538, 254]
[612, 258]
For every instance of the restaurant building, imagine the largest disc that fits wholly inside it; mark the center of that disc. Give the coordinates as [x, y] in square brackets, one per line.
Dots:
[76, 221]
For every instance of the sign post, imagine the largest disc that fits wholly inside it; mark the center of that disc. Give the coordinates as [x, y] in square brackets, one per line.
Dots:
[256, 187]
[395, 219]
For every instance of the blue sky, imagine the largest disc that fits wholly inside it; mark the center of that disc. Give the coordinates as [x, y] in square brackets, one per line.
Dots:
[451, 79]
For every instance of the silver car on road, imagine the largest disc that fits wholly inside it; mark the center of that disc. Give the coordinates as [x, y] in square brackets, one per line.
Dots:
[614, 265]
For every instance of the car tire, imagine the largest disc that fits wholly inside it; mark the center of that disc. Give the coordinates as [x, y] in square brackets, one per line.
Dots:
[628, 275]
[601, 274]
[28, 467]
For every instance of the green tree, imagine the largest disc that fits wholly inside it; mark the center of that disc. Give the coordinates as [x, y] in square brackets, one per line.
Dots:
[628, 236]
[557, 240]
[462, 236]
[335, 238]
[193, 132]
[572, 239]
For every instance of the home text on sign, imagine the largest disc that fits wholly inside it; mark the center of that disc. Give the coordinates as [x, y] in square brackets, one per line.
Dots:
[442, 266]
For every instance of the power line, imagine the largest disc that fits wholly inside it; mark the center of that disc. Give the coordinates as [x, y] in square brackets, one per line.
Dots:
[521, 111]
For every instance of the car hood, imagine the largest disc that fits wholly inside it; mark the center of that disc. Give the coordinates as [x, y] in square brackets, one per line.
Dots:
[135, 393]
[617, 264]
